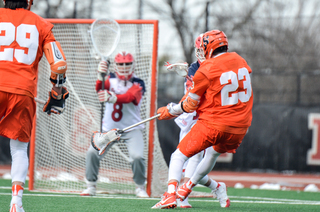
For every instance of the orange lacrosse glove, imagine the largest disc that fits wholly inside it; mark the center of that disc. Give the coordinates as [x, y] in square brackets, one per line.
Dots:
[165, 115]
[56, 103]
[189, 105]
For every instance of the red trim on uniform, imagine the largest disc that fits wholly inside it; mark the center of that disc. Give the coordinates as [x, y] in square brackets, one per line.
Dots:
[99, 84]
[125, 98]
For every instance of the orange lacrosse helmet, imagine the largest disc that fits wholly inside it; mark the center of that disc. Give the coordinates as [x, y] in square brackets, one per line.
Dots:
[212, 40]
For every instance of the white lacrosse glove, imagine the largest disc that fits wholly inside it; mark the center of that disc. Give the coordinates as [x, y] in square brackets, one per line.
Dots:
[103, 68]
[104, 141]
[107, 96]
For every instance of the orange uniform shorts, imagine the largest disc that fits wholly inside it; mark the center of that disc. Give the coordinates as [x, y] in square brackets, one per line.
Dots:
[16, 116]
[202, 136]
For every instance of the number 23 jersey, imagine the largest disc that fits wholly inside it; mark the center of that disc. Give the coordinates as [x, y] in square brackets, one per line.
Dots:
[121, 115]
[228, 100]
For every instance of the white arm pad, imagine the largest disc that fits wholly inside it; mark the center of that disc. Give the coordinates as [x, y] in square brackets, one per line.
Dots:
[174, 109]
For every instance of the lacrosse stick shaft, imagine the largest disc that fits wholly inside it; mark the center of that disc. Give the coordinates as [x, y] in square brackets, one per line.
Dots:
[102, 103]
[141, 122]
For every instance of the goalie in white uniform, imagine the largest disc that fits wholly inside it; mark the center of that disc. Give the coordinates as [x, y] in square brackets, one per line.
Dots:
[123, 95]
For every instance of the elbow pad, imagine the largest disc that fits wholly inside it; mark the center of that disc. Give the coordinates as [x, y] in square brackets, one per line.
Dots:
[191, 103]
[57, 61]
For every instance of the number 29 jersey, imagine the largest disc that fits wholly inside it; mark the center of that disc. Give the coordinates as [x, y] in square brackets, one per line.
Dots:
[22, 37]
[121, 115]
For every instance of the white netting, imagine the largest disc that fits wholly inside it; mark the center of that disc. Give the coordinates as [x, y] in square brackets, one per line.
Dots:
[62, 140]
[105, 34]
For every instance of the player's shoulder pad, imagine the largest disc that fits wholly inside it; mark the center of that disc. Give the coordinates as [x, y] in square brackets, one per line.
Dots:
[140, 81]
[193, 68]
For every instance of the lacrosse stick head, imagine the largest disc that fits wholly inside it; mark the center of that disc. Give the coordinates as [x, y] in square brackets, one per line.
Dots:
[181, 68]
[105, 36]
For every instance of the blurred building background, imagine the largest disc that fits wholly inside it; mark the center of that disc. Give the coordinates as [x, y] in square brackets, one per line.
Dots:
[278, 38]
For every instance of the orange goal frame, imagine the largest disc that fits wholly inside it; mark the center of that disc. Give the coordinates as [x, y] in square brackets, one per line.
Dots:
[153, 92]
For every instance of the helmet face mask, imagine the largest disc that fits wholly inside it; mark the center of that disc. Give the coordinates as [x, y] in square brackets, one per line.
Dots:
[212, 40]
[30, 2]
[199, 50]
[124, 65]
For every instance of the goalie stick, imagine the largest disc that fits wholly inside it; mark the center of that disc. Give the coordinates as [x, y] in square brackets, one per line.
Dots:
[105, 36]
[110, 143]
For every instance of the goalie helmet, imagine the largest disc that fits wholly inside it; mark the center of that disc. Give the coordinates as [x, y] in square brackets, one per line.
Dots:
[29, 2]
[198, 50]
[212, 40]
[124, 65]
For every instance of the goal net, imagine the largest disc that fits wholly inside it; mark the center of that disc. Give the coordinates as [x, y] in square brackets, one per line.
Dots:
[60, 142]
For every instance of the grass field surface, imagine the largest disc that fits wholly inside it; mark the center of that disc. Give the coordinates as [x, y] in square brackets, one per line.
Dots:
[242, 200]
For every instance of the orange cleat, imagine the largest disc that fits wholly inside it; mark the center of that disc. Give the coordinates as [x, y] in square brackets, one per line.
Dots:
[183, 192]
[168, 201]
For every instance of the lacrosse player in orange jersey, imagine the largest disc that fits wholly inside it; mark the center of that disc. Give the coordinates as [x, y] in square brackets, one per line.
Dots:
[24, 38]
[222, 96]
[185, 121]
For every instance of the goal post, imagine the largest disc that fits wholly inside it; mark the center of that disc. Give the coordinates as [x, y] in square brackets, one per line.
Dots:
[59, 142]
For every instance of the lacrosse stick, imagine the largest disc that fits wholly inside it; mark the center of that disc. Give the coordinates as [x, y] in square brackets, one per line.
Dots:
[113, 140]
[105, 36]
[141, 122]
[181, 68]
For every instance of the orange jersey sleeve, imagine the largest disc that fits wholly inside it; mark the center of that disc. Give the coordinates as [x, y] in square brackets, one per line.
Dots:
[228, 98]
[24, 34]
[200, 84]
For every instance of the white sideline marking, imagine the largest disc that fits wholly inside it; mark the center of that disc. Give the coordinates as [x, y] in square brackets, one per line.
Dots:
[267, 200]
[5, 187]
[293, 179]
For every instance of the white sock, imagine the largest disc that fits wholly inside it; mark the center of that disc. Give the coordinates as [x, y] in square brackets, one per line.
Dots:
[190, 184]
[91, 184]
[213, 185]
[171, 188]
